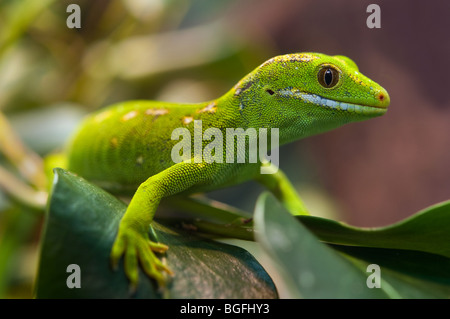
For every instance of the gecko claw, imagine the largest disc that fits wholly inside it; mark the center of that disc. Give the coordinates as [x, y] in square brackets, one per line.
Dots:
[137, 249]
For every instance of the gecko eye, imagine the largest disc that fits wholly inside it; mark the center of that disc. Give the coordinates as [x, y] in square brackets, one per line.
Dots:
[328, 77]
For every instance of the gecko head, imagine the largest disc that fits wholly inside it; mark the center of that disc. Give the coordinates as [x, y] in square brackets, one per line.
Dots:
[324, 90]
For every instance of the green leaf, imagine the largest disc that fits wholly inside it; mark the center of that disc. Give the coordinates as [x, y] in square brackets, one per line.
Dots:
[81, 224]
[427, 231]
[407, 270]
[309, 267]
[409, 274]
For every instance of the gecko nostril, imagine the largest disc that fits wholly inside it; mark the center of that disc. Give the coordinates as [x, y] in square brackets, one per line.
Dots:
[383, 98]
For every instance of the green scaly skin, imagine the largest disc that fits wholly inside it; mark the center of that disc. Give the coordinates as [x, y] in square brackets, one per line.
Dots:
[126, 148]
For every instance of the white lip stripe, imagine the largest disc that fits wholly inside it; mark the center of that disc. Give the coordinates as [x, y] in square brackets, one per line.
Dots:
[327, 103]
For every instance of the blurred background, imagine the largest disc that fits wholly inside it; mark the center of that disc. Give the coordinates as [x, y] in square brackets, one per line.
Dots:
[367, 174]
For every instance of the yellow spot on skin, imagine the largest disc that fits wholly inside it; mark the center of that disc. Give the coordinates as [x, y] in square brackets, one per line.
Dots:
[302, 57]
[237, 88]
[102, 116]
[114, 142]
[355, 79]
[156, 112]
[129, 116]
[187, 120]
[210, 108]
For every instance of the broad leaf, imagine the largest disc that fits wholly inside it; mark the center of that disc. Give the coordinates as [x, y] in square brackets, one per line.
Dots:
[426, 231]
[409, 272]
[405, 273]
[309, 267]
[81, 224]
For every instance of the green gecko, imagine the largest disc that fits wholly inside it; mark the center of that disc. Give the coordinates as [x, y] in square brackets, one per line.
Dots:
[126, 148]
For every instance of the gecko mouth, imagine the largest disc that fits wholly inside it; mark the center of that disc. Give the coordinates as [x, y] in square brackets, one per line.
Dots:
[332, 104]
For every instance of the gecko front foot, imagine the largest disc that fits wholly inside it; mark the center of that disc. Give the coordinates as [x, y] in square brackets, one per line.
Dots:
[136, 247]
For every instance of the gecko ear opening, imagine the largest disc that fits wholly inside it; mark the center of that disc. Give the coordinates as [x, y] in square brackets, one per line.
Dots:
[271, 92]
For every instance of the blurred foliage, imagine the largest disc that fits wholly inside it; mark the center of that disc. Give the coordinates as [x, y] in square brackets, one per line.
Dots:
[123, 50]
